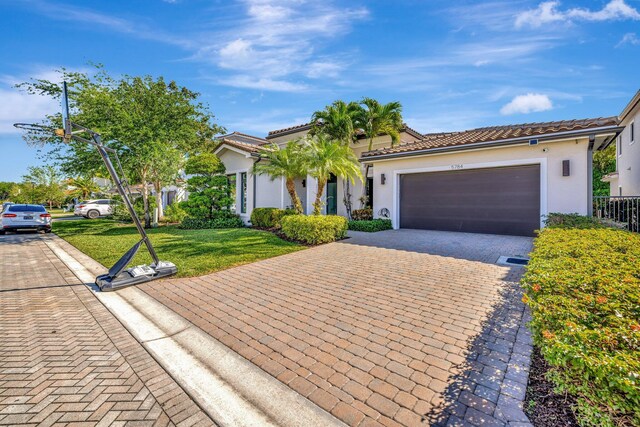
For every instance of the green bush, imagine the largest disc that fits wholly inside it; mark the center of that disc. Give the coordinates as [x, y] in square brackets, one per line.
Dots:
[371, 225]
[221, 219]
[121, 213]
[583, 287]
[314, 229]
[174, 213]
[574, 220]
[269, 217]
[362, 214]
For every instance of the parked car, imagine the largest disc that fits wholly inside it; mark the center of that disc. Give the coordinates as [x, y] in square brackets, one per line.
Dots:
[5, 205]
[92, 209]
[25, 217]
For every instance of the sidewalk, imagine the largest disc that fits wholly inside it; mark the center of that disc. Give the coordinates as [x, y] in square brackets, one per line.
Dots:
[65, 359]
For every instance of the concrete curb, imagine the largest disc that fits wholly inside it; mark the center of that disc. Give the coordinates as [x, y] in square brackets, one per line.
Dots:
[232, 390]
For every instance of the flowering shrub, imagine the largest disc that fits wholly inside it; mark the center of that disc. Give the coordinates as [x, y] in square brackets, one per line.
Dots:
[362, 214]
[583, 287]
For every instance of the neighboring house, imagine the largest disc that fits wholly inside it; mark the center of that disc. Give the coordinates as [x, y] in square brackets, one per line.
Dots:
[625, 181]
[499, 180]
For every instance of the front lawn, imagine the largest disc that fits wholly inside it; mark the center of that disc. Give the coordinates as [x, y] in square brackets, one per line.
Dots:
[195, 252]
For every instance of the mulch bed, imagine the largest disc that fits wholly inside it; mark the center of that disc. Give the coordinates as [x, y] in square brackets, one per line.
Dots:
[543, 406]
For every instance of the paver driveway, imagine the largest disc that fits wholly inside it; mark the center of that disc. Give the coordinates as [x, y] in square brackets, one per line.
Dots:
[65, 360]
[393, 328]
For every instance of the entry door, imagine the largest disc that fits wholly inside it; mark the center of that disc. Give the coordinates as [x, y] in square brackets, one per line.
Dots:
[332, 195]
[502, 200]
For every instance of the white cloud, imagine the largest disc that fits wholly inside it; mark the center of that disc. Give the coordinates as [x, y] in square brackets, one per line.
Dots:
[251, 82]
[529, 103]
[548, 12]
[629, 38]
[19, 107]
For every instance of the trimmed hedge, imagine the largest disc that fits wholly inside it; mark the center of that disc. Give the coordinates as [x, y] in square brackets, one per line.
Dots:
[362, 214]
[574, 220]
[269, 217]
[222, 219]
[314, 229]
[583, 287]
[371, 226]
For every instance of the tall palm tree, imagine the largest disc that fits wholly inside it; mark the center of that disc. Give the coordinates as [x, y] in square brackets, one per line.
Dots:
[324, 157]
[338, 122]
[377, 119]
[287, 163]
[83, 187]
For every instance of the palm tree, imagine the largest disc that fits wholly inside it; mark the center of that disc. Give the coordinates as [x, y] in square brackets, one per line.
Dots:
[337, 121]
[324, 157]
[83, 187]
[377, 119]
[287, 163]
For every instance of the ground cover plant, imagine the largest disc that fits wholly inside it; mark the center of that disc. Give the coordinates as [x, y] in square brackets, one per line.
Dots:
[583, 287]
[195, 252]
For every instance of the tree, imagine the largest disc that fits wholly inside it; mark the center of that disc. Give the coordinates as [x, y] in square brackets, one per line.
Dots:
[325, 157]
[83, 187]
[604, 162]
[287, 163]
[338, 122]
[6, 188]
[208, 187]
[377, 119]
[44, 184]
[151, 124]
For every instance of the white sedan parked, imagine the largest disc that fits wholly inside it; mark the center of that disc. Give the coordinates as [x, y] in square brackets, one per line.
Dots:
[25, 217]
[92, 209]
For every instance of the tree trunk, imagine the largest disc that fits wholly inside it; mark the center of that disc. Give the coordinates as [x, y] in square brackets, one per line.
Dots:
[158, 187]
[145, 202]
[295, 200]
[346, 184]
[317, 205]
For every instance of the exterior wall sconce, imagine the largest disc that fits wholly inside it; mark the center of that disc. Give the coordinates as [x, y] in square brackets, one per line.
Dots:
[566, 168]
[383, 179]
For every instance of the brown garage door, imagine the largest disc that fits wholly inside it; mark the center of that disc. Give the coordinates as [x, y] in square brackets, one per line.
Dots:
[496, 200]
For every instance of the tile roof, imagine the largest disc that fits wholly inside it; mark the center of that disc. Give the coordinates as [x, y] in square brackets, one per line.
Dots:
[494, 133]
[244, 138]
[307, 126]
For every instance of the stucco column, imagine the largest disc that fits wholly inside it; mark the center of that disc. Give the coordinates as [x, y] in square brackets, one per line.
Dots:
[312, 189]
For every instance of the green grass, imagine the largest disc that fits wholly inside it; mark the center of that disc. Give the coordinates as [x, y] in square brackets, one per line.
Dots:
[58, 213]
[195, 252]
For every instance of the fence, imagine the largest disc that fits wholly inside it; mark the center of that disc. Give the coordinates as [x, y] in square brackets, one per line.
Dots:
[623, 211]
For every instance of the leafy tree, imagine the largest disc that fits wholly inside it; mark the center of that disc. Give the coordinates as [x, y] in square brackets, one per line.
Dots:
[6, 188]
[325, 157]
[83, 187]
[151, 123]
[377, 119]
[209, 187]
[42, 184]
[287, 163]
[338, 122]
[604, 162]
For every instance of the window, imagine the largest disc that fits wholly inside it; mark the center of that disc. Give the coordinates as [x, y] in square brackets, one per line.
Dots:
[619, 146]
[243, 192]
[232, 190]
[26, 208]
[619, 191]
[631, 129]
[370, 192]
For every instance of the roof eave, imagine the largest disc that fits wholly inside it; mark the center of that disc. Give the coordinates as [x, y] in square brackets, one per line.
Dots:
[630, 106]
[491, 144]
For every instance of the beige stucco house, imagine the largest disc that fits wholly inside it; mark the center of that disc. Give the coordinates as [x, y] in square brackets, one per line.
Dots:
[499, 180]
[625, 181]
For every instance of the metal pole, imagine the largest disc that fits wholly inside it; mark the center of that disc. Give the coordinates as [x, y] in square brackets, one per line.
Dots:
[123, 194]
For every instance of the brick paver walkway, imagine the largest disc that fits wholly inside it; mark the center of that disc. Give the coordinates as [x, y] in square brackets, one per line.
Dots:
[393, 328]
[65, 360]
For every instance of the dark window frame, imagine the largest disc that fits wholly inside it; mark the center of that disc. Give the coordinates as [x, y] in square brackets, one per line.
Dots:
[243, 192]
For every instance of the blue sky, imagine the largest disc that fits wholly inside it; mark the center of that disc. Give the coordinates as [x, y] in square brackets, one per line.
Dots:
[263, 65]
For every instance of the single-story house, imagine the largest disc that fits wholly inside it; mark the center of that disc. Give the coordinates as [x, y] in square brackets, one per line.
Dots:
[501, 179]
[625, 181]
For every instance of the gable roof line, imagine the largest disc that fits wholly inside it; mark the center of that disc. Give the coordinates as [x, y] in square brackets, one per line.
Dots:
[306, 126]
[635, 100]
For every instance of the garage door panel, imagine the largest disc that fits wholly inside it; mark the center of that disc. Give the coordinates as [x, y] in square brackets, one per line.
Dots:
[497, 200]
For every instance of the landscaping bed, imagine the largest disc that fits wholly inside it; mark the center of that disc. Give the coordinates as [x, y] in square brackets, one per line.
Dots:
[583, 287]
[195, 252]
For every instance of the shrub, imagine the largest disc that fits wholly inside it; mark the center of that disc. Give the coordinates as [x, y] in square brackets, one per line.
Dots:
[269, 217]
[121, 213]
[221, 219]
[574, 220]
[362, 214]
[583, 287]
[314, 229]
[370, 226]
[174, 213]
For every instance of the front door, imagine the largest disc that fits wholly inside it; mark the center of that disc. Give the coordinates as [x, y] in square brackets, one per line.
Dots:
[332, 195]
